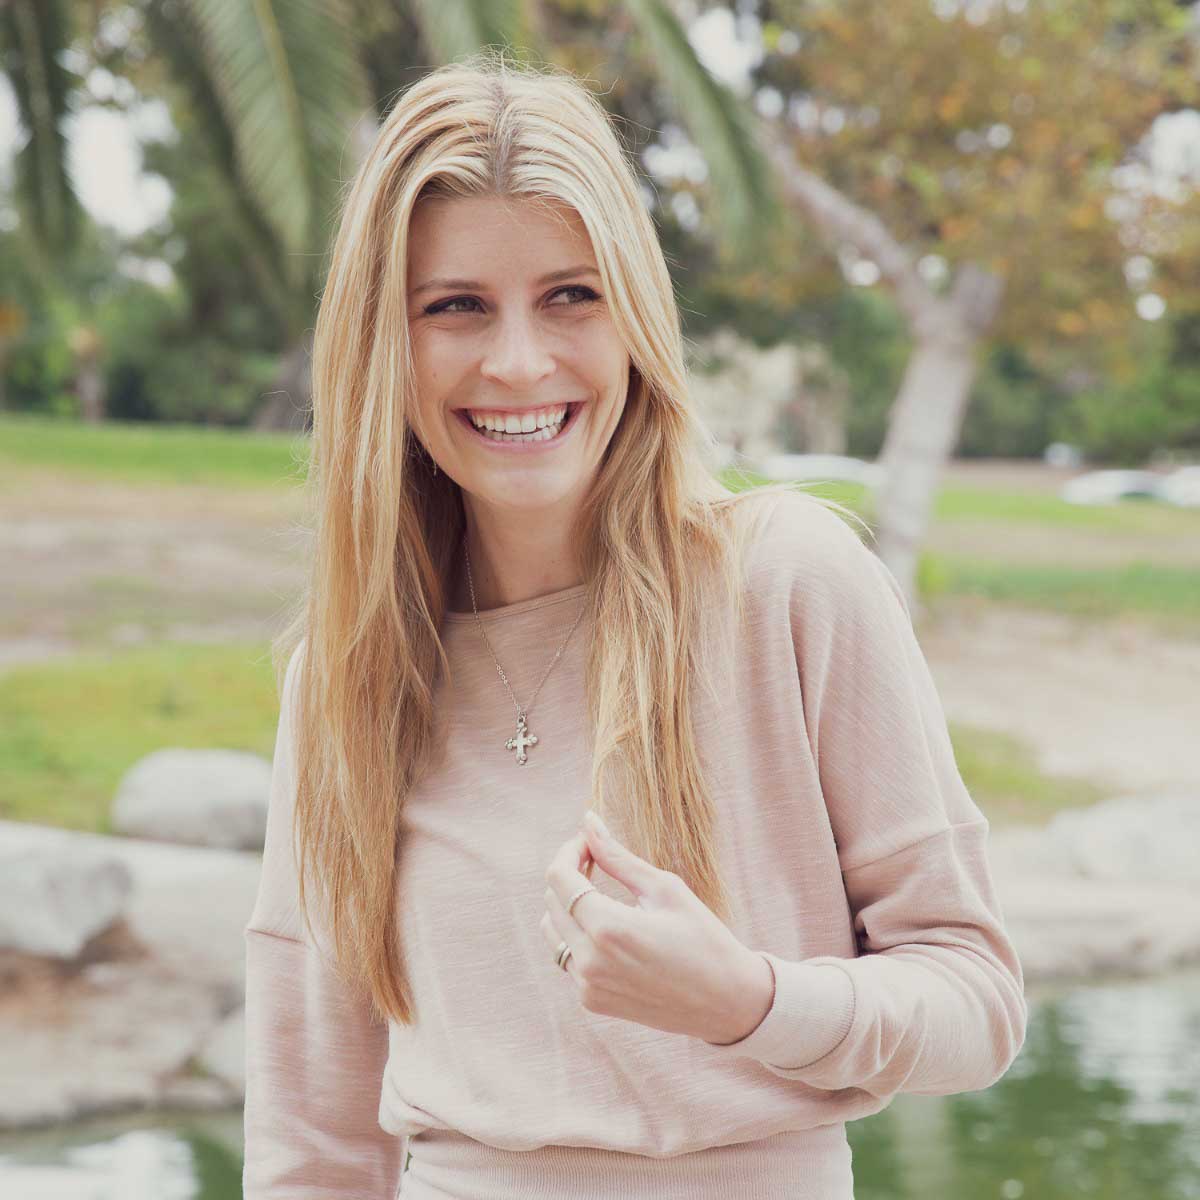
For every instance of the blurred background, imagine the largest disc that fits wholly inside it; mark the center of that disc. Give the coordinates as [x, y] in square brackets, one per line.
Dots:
[939, 259]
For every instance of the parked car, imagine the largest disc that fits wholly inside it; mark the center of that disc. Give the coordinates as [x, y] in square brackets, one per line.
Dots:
[1180, 487]
[841, 468]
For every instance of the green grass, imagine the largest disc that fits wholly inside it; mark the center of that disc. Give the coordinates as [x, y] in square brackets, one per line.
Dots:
[71, 727]
[141, 452]
[1040, 508]
[983, 503]
[1170, 594]
[1003, 778]
[166, 453]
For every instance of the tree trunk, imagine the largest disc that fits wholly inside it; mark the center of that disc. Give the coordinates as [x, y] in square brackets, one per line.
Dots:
[89, 387]
[926, 418]
[923, 428]
[288, 405]
[86, 352]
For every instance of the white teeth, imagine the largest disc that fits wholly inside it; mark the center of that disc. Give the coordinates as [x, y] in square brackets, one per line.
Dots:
[542, 434]
[525, 423]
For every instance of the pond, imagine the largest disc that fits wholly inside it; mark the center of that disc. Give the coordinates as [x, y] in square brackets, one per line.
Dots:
[1103, 1101]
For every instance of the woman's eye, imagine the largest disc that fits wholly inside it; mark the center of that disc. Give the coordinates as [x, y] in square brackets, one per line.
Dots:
[445, 305]
[585, 296]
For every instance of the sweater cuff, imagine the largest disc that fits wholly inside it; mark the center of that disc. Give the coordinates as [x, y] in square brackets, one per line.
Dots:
[811, 1012]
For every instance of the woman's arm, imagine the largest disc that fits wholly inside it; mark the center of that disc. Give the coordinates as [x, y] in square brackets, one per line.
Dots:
[314, 1056]
[314, 1066]
[934, 1004]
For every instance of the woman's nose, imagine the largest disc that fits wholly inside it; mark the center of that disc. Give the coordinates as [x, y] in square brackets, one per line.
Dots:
[515, 354]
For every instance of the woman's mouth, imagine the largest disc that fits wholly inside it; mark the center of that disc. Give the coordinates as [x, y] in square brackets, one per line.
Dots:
[539, 439]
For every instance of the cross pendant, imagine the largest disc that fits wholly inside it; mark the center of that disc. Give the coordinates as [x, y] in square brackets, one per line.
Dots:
[521, 740]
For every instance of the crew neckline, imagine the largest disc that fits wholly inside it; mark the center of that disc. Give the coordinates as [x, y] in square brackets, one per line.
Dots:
[519, 606]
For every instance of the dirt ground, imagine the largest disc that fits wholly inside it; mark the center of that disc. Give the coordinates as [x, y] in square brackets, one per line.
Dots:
[90, 564]
[1115, 702]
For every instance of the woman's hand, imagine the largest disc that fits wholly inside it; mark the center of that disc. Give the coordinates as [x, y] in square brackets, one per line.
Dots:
[669, 962]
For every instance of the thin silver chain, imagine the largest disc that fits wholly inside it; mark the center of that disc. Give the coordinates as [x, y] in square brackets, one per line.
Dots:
[521, 712]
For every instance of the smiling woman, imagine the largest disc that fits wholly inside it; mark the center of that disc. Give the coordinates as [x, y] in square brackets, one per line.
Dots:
[530, 596]
[515, 340]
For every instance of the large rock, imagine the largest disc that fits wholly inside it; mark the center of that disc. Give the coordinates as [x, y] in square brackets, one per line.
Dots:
[110, 1038]
[198, 797]
[223, 1055]
[1132, 839]
[1104, 891]
[150, 1015]
[53, 903]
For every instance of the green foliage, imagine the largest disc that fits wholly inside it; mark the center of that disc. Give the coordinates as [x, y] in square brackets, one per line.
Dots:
[1124, 423]
[161, 368]
[31, 35]
[70, 728]
[869, 342]
[1012, 409]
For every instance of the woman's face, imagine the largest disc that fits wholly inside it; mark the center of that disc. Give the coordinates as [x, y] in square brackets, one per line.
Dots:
[508, 322]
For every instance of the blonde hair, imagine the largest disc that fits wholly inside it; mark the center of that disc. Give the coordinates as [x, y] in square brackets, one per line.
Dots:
[654, 534]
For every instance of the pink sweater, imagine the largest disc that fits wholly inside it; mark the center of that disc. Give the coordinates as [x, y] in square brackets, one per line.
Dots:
[857, 860]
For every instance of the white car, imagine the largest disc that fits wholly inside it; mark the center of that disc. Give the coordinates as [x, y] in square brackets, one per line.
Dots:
[1181, 487]
[841, 468]
[1106, 487]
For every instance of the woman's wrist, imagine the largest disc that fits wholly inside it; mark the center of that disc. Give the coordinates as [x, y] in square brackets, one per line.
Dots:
[753, 995]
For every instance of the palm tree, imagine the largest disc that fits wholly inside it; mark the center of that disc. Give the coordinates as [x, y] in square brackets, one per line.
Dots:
[287, 91]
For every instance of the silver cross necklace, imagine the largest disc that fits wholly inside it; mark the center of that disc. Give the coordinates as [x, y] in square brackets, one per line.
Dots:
[523, 737]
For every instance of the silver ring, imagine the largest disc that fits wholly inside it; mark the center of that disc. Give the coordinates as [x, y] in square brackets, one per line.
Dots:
[583, 891]
[564, 952]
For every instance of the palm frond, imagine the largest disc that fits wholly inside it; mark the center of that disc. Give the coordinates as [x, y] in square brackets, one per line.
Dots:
[742, 184]
[174, 36]
[33, 35]
[452, 28]
[290, 84]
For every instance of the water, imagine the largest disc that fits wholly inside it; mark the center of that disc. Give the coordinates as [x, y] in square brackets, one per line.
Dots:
[1103, 1102]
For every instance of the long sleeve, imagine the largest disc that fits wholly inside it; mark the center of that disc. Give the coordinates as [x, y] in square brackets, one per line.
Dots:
[934, 1002]
[314, 1055]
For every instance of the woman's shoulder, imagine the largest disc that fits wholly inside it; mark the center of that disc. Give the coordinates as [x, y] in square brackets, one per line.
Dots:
[812, 552]
[803, 538]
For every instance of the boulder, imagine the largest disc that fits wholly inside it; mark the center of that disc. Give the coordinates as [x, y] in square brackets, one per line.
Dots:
[1131, 839]
[1103, 891]
[223, 1055]
[53, 903]
[150, 1014]
[197, 797]
[107, 1039]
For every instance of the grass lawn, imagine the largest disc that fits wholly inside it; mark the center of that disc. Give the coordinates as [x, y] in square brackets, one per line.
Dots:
[138, 452]
[70, 727]
[1042, 552]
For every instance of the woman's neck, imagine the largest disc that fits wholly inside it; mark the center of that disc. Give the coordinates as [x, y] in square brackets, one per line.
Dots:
[529, 571]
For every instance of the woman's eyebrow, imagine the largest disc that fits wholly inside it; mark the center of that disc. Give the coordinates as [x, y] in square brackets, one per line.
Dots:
[554, 276]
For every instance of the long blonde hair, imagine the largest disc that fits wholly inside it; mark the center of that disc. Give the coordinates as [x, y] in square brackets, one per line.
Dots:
[654, 534]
